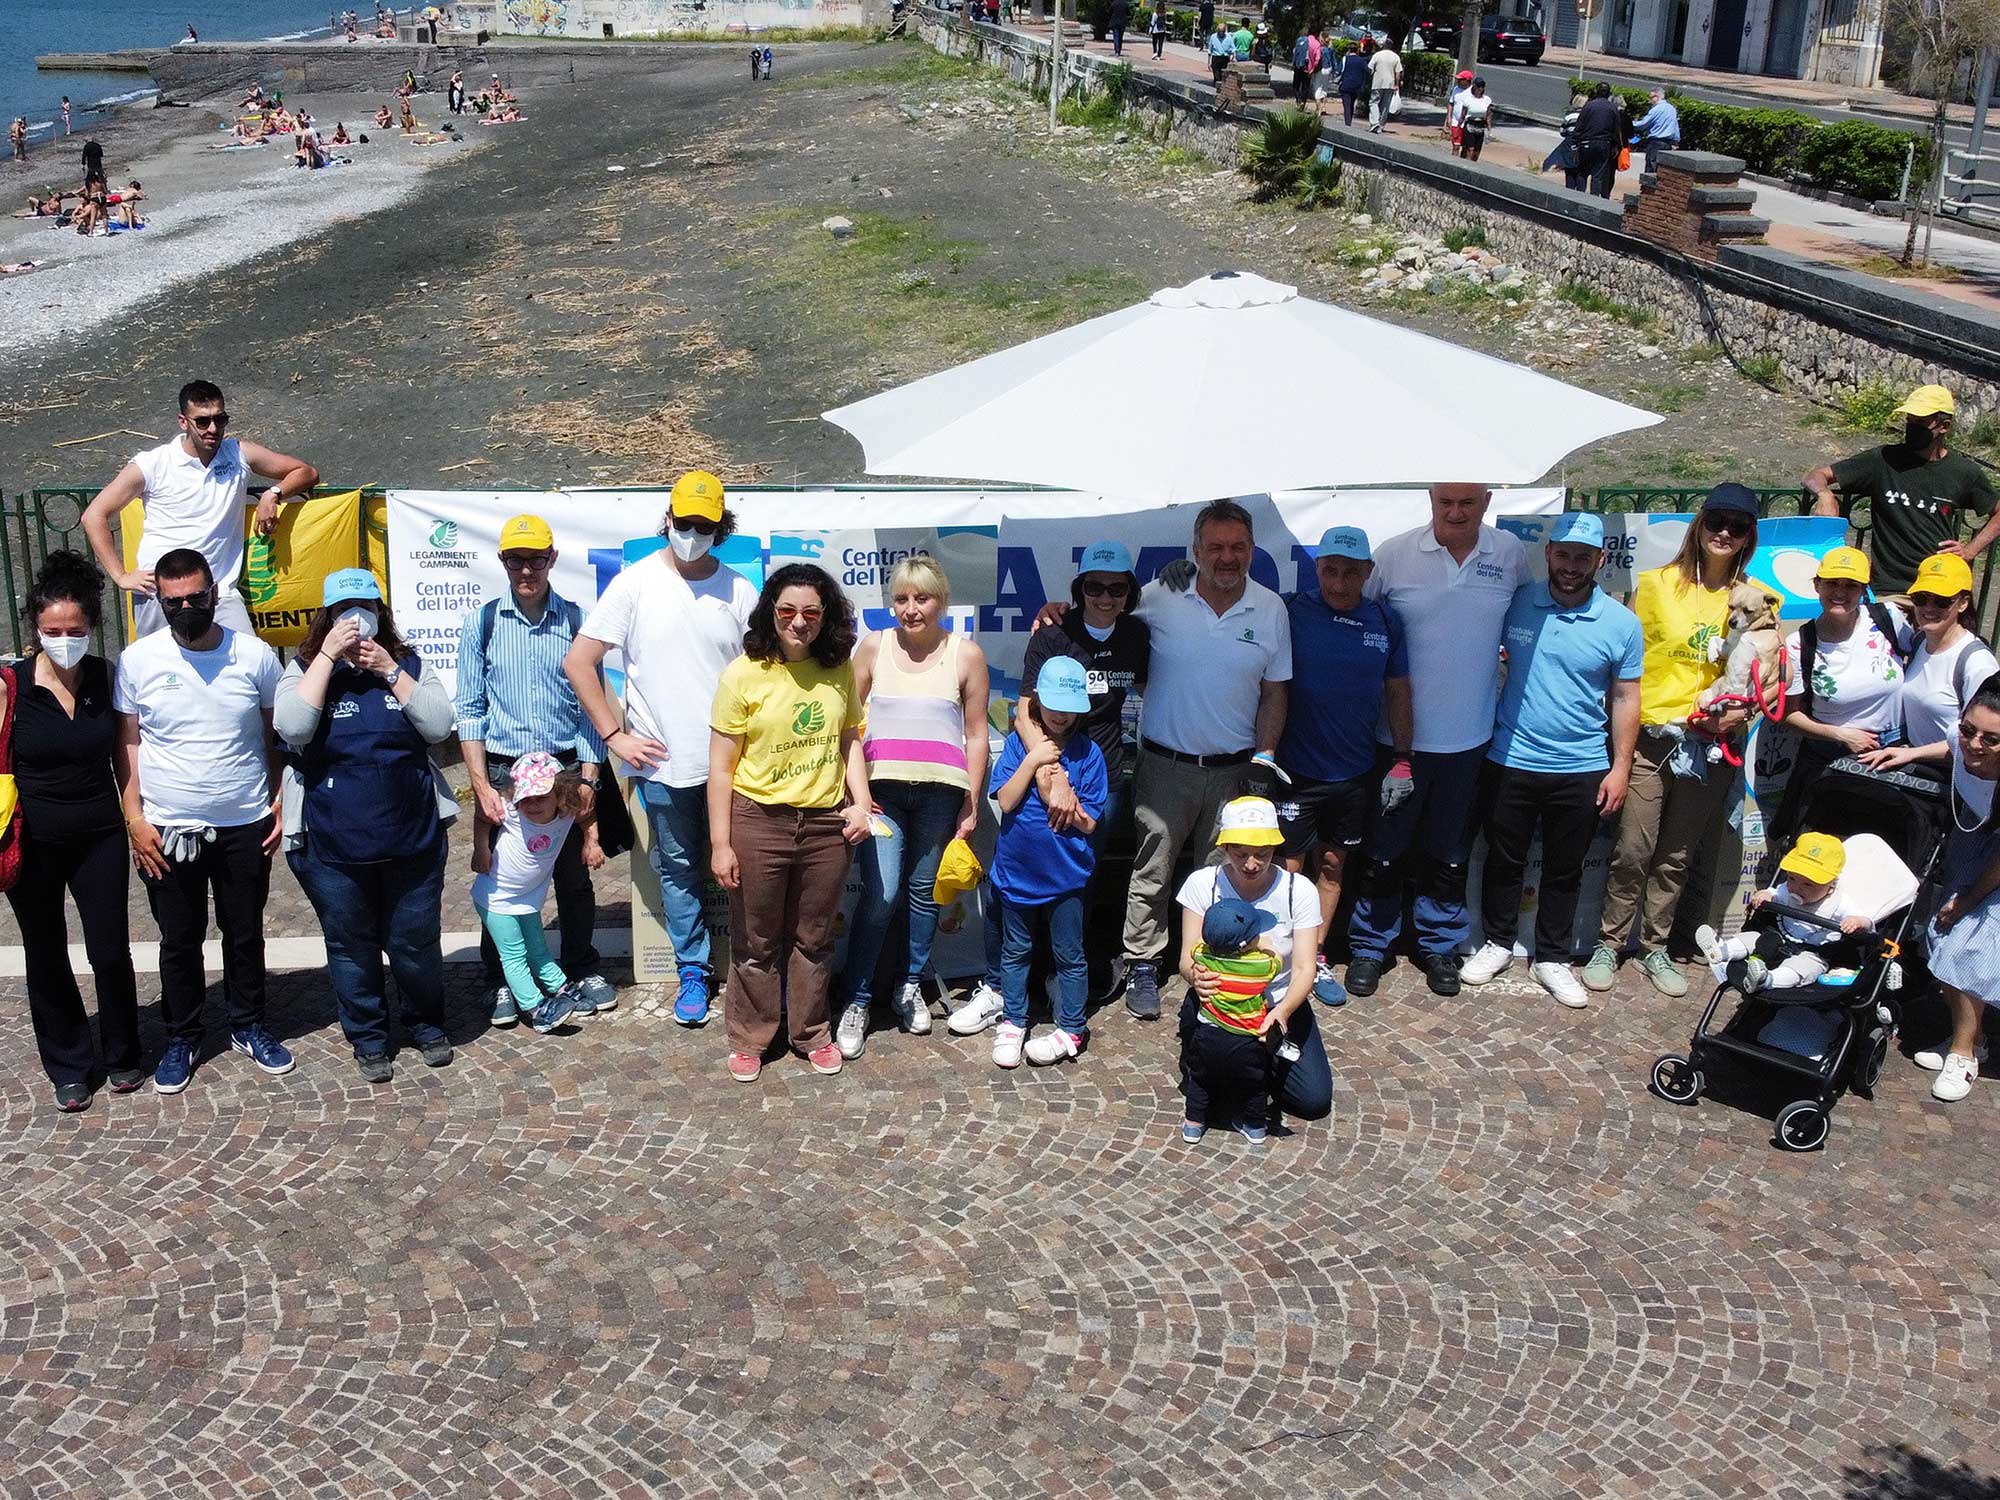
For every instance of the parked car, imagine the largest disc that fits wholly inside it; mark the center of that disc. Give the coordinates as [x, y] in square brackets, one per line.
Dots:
[1365, 23]
[1439, 33]
[1511, 38]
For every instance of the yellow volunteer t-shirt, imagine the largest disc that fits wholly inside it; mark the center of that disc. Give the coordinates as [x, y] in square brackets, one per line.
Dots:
[791, 716]
[1683, 626]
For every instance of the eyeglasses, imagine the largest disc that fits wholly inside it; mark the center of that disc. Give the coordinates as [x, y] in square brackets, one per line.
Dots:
[1115, 590]
[187, 601]
[218, 421]
[1728, 523]
[1978, 738]
[1934, 601]
[525, 562]
[698, 527]
[791, 612]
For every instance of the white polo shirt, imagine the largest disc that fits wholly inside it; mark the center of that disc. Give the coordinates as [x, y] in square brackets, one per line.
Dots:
[1206, 670]
[1452, 615]
[193, 504]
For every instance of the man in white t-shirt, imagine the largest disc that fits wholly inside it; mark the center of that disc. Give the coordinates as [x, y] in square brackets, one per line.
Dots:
[1385, 77]
[677, 618]
[1451, 583]
[198, 771]
[194, 489]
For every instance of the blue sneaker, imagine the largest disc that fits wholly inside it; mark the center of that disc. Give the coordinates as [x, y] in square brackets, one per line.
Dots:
[175, 1069]
[1191, 1132]
[1327, 988]
[263, 1049]
[553, 1011]
[691, 1003]
[1256, 1135]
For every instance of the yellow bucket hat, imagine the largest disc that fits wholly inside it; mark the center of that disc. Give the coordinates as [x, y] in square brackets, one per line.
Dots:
[1819, 857]
[959, 871]
[1250, 820]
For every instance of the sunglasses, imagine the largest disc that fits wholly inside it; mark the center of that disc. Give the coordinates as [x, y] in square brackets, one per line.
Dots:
[791, 612]
[1724, 523]
[1117, 590]
[1978, 738]
[1934, 601]
[219, 421]
[525, 562]
[187, 601]
[699, 528]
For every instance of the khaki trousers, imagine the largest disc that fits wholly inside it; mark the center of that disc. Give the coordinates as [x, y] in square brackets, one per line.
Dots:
[1173, 804]
[1665, 820]
[793, 864]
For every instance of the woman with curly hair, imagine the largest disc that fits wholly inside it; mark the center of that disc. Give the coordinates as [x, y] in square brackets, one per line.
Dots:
[787, 801]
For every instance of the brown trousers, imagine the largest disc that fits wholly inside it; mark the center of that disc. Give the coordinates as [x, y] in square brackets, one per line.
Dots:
[1665, 821]
[793, 864]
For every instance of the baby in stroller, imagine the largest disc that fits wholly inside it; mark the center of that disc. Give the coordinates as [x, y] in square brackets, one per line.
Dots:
[1789, 953]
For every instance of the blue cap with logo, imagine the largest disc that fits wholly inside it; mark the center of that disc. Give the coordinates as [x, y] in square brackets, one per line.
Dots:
[350, 583]
[1105, 557]
[1230, 926]
[1345, 541]
[1580, 526]
[1061, 685]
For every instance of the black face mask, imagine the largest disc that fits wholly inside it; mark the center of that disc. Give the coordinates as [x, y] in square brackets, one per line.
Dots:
[191, 621]
[1917, 433]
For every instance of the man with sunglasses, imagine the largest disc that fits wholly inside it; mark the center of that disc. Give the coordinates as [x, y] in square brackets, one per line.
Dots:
[677, 619]
[514, 697]
[194, 489]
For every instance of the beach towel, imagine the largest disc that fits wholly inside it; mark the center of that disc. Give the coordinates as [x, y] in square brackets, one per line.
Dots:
[124, 229]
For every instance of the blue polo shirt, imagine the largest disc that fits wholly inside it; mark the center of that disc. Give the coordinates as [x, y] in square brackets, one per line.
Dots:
[1337, 699]
[1560, 667]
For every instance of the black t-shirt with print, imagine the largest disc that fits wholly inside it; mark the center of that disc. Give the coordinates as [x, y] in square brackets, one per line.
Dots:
[1913, 506]
[1112, 668]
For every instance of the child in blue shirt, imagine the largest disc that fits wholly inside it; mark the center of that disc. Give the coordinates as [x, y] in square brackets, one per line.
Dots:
[1040, 871]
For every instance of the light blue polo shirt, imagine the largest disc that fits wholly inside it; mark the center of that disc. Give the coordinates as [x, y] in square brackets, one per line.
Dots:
[1561, 664]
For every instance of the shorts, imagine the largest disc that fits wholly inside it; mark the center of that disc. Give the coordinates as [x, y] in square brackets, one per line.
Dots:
[1324, 814]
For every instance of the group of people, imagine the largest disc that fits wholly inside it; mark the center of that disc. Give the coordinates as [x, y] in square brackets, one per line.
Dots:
[1321, 762]
[1598, 133]
[95, 208]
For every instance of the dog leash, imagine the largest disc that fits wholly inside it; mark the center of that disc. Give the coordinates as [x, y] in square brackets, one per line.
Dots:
[1754, 701]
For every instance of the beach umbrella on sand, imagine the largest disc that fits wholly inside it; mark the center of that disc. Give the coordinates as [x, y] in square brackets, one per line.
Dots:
[1231, 385]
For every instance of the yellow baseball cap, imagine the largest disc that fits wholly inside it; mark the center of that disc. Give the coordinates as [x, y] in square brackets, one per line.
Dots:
[1819, 857]
[958, 872]
[1844, 562]
[526, 534]
[1943, 574]
[697, 496]
[1250, 820]
[1928, 401]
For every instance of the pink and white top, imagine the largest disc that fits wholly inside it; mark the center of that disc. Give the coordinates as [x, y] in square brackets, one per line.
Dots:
[916, 718]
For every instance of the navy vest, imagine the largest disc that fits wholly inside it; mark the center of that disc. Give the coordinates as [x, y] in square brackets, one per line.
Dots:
[369, 791]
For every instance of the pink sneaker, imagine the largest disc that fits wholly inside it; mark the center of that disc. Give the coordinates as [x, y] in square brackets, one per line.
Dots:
[825, 1059]
[744, 1068]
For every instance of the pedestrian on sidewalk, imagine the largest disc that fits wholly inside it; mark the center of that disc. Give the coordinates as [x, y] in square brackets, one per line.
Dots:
[1354, 78]
[1385, 78]
[512, 865]
[1475, 113]
[1658, 129]
[1221, 52]
[1206, 21]
[1121, 17]
[1156, 28]
[1302, 64]
[1329, 64]
[1599, 132]
[1461, 85]
[1565, 153]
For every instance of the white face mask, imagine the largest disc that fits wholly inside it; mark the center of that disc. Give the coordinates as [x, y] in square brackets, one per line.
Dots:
[1096, 634]
[689, 545]
[363, 617]
[64, 650]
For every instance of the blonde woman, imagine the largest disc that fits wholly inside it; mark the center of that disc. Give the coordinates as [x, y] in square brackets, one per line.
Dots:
[925, 690]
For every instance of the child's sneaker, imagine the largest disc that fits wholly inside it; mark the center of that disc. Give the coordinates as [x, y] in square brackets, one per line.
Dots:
[1707, 943]
[553, 1011]
[981, 1009]
[1747, 974]
[691, 999]
[1007, 1039]
[1052, 1046]
[1256, 1135]
[744, 1067]
[505, 1011]
[598, 991]
[1191, 1132]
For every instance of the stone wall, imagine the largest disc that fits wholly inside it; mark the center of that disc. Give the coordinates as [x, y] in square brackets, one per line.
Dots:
[202, 72]
[597, 19]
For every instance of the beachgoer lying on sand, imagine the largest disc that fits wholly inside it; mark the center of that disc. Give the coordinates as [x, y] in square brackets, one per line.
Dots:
[90, 214]
[505, 116]
[340, 136]
[254, 97]
[50, 207]
[383, 119]
[305, 151]
[127, 212]
[17, 268]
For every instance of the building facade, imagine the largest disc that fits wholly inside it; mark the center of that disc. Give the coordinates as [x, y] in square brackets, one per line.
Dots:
[597, 19]
[1827, 41]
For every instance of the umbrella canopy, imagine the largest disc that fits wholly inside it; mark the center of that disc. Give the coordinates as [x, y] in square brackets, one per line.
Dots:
[1227, 386]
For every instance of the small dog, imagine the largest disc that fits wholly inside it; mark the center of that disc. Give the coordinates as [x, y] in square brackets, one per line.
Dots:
[1753, 638]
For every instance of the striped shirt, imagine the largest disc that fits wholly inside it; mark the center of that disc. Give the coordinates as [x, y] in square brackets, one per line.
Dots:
[512, 694]
[916, 720]
[1239, 1005]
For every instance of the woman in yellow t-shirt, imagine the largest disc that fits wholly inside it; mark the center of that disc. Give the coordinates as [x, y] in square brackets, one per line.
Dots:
[1683, 610]
[787, 801]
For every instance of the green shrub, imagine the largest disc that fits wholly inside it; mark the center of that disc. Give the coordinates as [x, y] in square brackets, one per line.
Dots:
[1765, 369]
[1872, 408]
[1637, 101]
[1457, 239]
[1765, 140]
[1865, 159]
[1428, 75]
[1116, 81]
[1277, 155]
[1319, 185]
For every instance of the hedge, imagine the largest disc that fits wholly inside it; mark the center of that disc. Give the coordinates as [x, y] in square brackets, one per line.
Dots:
[1853, 156]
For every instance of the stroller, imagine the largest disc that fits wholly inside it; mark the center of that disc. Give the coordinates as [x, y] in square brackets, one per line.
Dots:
[1834, 1034]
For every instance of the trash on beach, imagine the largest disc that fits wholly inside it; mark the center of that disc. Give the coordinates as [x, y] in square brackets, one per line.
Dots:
[18, 268]
[614, 168]
[470, 463]
[98, 437]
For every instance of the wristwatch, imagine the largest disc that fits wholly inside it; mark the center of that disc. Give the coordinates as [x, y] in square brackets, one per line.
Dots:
[395, 676]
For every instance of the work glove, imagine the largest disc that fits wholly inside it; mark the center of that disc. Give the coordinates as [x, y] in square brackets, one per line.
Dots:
[1178, 574]
[1397, 787]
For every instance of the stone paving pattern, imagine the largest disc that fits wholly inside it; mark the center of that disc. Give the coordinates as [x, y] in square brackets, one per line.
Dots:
[589, 1264]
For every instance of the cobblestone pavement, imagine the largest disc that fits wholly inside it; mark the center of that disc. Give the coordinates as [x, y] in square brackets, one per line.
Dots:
[589, 1264]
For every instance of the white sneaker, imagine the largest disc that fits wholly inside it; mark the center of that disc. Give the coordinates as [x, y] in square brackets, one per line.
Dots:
[981, 1009]
[913, 1011]
[1708, 943]
[1052, 1046]
[1561, 982]
[1954, 1080]
[851, 1035]
[1490, 962]
[1007, 1045]
[1933, 1061]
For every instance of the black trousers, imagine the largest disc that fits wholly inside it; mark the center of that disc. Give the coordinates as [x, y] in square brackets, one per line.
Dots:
[94, 870]
[1597, 162]
[237, 870]
[1301, 84]
[1564, 806]
[1159, 42]
[1225, 1076]
[576, 915]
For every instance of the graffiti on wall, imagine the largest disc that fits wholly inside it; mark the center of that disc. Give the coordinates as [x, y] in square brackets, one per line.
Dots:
[536, 17]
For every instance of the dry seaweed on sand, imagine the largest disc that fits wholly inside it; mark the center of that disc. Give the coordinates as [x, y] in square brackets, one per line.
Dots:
[659, 444]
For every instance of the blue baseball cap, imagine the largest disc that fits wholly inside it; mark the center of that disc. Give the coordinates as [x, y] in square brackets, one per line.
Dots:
[1230, 926]
[1061, 685]
[1105, 557]
[350, 583]
[1578, 526]
[1345, 541]
[1732, 496]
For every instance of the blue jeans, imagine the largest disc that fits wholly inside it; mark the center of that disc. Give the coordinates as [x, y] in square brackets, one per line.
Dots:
[365, 909]
[921, 816]
[995, 927]
[679, 856]
[1063, 919]
[1428, 839]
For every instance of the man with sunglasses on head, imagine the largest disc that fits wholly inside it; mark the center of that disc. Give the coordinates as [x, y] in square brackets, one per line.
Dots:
[514, 697]
[676, 619]
[194, 489]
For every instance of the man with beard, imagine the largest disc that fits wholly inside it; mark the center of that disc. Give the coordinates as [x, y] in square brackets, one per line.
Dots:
[194, 489]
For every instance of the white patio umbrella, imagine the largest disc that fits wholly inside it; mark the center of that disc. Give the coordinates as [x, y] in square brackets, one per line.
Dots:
[1229, 386]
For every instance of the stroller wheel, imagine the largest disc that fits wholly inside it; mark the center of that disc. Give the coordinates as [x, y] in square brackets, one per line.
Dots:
[1802, 1125]
[1677, 1080]
[1868, 1072]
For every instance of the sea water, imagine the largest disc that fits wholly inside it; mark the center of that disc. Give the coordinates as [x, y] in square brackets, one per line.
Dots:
[32, 27]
